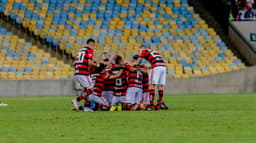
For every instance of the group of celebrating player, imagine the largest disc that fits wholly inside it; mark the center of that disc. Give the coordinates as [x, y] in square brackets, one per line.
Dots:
[113, 84]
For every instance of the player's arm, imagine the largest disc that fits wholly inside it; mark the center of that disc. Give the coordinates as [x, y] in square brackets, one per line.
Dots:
[90, 57]
[142, 69]
[116, 75]
[110, 61]
[139, 60]
[141, 55]
[147, 66]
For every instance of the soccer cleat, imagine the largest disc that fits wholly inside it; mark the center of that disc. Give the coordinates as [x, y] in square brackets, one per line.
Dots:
[119, 107]
[163, 106]
[104, 108]
[74, 109]
[150, 107]
[86, 109]
[76, 104]
[113, 108]
[134, 107]
[158, 106]
[3, 104]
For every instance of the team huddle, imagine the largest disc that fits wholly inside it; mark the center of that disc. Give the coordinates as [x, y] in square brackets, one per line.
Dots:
[113, 84]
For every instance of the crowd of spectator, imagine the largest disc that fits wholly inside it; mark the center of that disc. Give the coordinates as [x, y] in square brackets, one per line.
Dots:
[242, 9]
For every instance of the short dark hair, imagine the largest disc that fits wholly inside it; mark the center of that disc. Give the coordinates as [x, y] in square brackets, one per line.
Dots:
[106, 60]
[118, 59]
[90, 40]
[135, 57]
[141, 46]
[100, 68]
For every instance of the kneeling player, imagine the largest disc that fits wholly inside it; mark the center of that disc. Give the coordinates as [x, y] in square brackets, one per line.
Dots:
[145, 84]
[107, 92]
[134, 92]
[96, 95]
[120, 84]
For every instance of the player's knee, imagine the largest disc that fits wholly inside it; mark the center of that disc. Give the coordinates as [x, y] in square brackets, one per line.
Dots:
[160, 87]
[152, 86]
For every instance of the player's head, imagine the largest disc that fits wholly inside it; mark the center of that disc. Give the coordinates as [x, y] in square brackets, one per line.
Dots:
[105, 57]
[91, 43]
[141, 48]
[100, 68]
[119, 60]
[135, 58]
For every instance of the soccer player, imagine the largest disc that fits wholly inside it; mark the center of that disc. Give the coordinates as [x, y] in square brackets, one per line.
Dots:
[107, 92]
[157, 76]
[145, 84]
[83, 63]
[105, 58]
[134, 92]
[96, 95]
[120, 84]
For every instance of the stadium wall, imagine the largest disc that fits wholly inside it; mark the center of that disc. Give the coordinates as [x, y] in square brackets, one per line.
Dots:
[36, 88]
[240, 33]
[241, 81]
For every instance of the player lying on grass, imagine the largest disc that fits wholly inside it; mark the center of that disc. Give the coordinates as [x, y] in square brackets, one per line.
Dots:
[107, 92]
[96, 95]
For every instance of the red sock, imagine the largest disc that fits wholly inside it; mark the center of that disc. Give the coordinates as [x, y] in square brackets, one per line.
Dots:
[126, 106]
[79, 98]
[152, 95]
[129, 106]
[86, 103]
[160, 95]
[88, 91]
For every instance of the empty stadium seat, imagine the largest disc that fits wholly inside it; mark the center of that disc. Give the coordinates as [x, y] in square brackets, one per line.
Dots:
[21, 60]
[170, 26]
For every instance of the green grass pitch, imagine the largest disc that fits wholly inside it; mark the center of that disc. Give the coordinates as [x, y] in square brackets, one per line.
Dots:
[207, 118]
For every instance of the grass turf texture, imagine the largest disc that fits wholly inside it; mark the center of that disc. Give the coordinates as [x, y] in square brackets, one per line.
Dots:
[190, 119]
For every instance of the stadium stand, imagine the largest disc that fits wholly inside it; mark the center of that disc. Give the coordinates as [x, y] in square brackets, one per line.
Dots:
[188, 45]
[20, 60]
[243, 10]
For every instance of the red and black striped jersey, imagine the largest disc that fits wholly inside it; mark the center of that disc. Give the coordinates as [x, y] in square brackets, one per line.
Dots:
[81, 61]
[93, 74]
[93, 77]
[135, 78]
[153, 57]
[92, 70]
[121, 83]
[99, 83]
[145, 82]
[109, 83]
